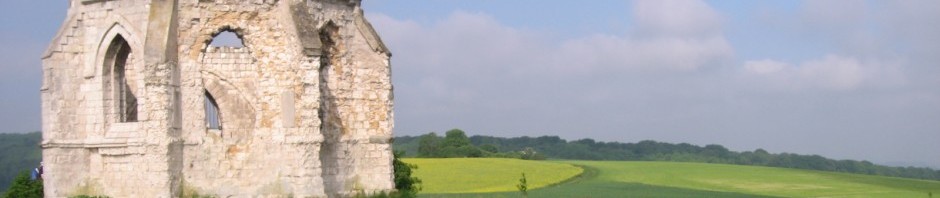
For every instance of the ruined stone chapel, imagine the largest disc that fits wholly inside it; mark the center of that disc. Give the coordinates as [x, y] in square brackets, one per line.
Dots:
[138, 102]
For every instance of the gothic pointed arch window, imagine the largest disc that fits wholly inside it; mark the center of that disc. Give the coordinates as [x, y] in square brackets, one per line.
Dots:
[121, 86]
[227, 38]
[213, 115]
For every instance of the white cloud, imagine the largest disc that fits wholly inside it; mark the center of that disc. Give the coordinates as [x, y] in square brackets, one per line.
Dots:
[462, 42]
[472, 65]
[879, 44]
[765, 66]
[913, 26]
[675, 35]
[605, 52]
[832, 72]
[835, 14]
[678, 35]
[676, 18]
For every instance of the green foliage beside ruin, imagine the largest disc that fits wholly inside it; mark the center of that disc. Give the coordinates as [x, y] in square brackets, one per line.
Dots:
[24, 187]
[18, 152]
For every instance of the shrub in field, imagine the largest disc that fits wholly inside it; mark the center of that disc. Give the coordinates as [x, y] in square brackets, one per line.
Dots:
[523, 186]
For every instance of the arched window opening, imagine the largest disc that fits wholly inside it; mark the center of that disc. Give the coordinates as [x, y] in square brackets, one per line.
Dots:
[121, 81]
[227, 38]
[213, 115]
[329, 36]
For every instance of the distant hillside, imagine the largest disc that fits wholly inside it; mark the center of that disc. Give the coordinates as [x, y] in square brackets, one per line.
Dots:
[648, 150]
[18, 152]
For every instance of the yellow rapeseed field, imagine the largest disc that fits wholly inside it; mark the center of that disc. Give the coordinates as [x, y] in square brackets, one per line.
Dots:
[477, 175]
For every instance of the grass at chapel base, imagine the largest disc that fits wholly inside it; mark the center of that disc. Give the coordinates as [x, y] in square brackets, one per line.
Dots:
[478, 175]
[675, 179]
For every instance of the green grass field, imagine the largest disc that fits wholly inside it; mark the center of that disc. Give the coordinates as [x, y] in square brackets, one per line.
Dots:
[475, 175]
[672, 179]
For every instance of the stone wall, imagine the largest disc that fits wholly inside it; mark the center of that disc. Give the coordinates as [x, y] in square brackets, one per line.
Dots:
[82, 140]
[305, 106]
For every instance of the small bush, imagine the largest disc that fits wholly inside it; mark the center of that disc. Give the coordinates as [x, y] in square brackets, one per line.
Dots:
[23, 187]
[407, 185]
[523, 186]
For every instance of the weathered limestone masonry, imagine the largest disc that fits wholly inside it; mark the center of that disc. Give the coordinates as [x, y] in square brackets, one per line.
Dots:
[136, 103]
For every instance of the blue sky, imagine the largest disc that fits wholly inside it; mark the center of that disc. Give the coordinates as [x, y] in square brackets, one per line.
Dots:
[843, 79]
[25, 29]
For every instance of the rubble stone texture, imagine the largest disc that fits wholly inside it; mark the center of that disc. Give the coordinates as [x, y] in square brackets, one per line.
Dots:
[304, 108]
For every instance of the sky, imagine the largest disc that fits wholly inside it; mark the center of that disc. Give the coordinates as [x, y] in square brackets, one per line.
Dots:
[842, 79]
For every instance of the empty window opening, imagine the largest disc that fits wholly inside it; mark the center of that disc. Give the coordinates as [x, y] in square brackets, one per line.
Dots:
[227, 38]
[328, 37]
[213, 116]
[122, 78]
